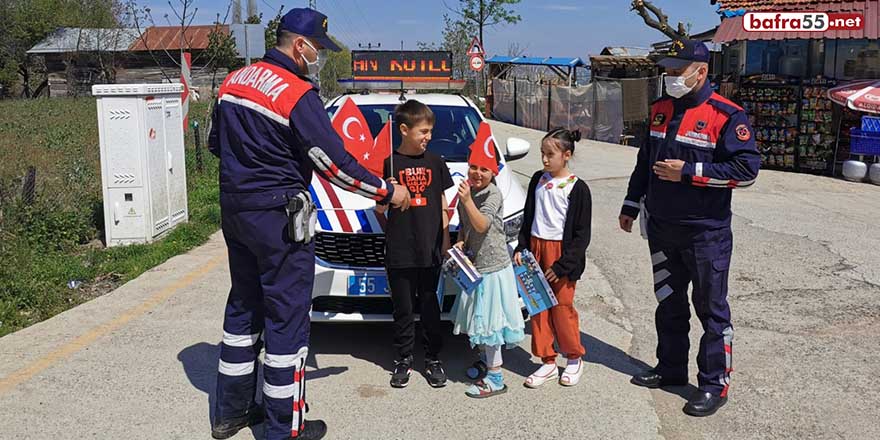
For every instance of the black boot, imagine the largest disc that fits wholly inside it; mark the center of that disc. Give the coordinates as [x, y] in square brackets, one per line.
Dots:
[653, 379]
[703, 404]
[228, 428]
[313, 430]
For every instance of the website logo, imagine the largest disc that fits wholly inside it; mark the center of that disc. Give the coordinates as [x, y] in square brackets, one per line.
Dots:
[802, 21]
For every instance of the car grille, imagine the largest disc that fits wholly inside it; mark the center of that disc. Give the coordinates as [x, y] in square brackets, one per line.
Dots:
[353, 250]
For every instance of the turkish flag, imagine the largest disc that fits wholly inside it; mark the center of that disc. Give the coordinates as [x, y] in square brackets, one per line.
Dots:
[484, 150]
[375, 160]
[351, 126]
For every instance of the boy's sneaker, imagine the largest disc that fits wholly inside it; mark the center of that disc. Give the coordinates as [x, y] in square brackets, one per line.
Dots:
[435, 373]
[402, 371]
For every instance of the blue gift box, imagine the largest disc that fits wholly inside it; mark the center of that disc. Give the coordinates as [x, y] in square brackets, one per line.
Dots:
[532, 285]
[462, 270]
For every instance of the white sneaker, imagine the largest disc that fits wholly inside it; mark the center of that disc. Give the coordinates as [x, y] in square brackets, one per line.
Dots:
[542, 375]
[572, 374]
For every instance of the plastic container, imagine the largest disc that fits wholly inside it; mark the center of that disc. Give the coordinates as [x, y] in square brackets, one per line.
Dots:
[854, 170]
[864, 142]
[874, 174]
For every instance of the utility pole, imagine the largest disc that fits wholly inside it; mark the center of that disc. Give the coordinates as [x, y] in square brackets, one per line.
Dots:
[251, 8]
[236, 11]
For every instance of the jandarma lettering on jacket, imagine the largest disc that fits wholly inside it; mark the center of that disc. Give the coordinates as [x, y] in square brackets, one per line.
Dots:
[262, 79]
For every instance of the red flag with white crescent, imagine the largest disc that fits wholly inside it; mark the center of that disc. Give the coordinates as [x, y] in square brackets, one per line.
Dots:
[351, 126]
[375, 160]
[484, 151]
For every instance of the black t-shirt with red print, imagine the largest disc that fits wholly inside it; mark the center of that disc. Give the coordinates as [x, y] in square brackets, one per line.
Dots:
[414, 238]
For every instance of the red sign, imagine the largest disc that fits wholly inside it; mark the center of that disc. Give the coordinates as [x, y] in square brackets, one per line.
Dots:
[477, 63]
[476, 48]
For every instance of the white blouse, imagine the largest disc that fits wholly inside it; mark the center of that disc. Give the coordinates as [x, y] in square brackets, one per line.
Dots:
[551, 206]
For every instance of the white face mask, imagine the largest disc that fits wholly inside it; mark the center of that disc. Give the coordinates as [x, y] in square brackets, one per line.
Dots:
[676, 86]
[314, 67]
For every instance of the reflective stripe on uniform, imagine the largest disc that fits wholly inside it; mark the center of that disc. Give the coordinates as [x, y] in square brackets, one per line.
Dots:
[236, 369]
[661, 276]
[658, 258]
[663, 292]
[285, 360]
[240, 340]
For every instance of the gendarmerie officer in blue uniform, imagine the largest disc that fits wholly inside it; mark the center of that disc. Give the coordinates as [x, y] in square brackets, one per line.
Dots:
[270, 131]
[700, 148]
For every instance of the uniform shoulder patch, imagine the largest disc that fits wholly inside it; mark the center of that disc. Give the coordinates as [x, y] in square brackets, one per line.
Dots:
[743, 133]
[724, 104]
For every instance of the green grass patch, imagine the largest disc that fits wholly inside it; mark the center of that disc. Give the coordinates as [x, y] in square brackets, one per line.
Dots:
[55, 239]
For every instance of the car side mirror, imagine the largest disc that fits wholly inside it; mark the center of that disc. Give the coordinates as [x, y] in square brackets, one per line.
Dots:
[517, 148]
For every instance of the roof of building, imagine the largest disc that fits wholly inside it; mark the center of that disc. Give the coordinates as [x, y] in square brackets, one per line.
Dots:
[537, 61]
[775, 5]
[625, 51]
[611, 61]
[65, 40]
[731, 29]
[172, 37]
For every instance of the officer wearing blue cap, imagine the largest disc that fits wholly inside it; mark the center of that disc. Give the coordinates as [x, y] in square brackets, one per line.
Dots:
[700, 147]
[271, 132]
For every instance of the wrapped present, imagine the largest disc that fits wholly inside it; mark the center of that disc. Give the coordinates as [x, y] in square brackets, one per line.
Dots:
[532, 285]
[462, 270]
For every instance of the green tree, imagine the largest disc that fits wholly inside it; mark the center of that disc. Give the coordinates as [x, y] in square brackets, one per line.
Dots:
[27, 22]
[221, 52]
[487, 13]
[338, 66]
[272, 29]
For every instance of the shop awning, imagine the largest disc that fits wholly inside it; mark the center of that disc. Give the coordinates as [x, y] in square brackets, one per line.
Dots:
[731, 29]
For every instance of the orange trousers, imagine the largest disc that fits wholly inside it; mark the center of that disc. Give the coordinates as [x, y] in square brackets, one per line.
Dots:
[560, 323]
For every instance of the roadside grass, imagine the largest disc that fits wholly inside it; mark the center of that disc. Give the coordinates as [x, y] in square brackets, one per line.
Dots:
[51, 256]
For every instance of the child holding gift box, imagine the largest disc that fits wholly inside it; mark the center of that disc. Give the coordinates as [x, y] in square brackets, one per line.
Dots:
[490, 314]
[556, 229]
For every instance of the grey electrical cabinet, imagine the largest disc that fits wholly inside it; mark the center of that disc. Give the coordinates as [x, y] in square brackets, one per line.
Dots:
[143, 168]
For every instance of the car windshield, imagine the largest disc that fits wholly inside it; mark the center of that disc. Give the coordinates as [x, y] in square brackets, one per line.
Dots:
[454, 130]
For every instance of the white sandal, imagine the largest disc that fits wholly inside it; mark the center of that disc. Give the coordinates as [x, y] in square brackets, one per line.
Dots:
[571, 379]
[535, 380]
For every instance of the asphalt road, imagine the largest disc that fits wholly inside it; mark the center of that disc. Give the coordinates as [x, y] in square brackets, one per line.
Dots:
[141, 361]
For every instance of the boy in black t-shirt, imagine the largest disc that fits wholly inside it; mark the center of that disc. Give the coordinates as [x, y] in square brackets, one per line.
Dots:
[416, 240]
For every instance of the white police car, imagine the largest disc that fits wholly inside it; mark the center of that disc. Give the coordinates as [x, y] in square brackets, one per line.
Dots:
[350, 281]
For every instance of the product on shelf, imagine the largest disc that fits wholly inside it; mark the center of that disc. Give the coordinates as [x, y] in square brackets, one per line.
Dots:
[817, 131]
[773, 112]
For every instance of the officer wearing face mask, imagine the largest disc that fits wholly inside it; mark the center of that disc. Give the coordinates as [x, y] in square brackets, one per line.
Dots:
[271, 132]
[700, 148]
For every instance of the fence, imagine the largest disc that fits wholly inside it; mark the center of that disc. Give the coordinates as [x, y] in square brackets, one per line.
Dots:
[603, 110]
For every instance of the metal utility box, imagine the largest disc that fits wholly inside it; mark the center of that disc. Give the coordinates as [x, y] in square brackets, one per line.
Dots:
[143, 169]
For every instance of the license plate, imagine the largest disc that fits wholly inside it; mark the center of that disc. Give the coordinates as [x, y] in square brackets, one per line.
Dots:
[365, 285]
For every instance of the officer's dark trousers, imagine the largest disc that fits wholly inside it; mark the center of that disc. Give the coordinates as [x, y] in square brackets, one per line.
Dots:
[271, 295]
[682, 256]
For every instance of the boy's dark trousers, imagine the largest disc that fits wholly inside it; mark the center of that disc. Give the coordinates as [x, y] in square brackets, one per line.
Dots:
[414, 290]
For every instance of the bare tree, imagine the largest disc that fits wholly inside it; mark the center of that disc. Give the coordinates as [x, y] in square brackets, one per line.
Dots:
[139, 16]
[660, 21]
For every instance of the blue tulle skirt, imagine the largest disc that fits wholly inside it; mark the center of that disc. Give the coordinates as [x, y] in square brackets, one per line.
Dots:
[490, 315]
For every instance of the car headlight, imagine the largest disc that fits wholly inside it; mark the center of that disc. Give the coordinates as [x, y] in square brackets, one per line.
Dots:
[512, 226]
